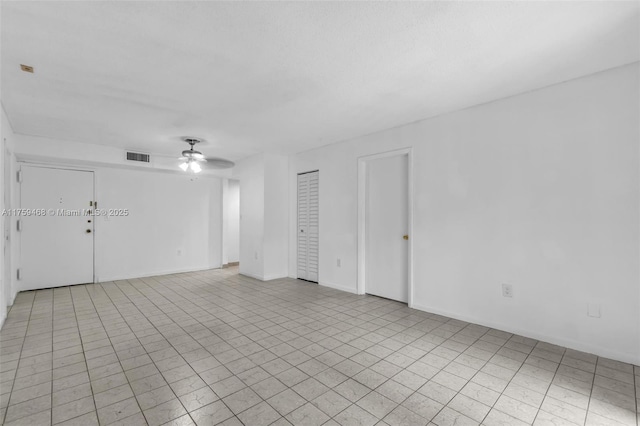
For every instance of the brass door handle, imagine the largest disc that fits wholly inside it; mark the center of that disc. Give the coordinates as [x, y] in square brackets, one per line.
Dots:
[405, 237]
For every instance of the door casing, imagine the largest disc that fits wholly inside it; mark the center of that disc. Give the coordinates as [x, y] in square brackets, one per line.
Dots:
[362, 216]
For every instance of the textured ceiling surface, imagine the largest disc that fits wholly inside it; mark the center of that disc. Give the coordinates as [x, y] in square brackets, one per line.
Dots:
[285, 77]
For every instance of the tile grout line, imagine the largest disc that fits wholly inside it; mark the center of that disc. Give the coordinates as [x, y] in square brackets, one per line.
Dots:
[19, 357]
[449, 363]
[405, 368]
[196, 373]
[75, 314]
[294, 366]
[271, 375]
[635, 394]
[288, 387]
[469, 380]
[179, 354]
[90, 298]
[298, 322]
[147, 353]
[586, 415]
[555, 373]
[480, 370]
[53, 307]
[390, 378]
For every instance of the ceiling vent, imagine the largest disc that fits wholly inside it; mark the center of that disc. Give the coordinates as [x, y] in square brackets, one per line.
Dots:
[139, 157]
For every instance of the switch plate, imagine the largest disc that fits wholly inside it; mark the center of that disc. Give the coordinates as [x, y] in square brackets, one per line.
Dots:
[594, 310]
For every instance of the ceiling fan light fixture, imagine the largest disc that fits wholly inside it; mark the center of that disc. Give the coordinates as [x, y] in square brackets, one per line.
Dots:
[191, 156]
[190, 165]
[192, 159]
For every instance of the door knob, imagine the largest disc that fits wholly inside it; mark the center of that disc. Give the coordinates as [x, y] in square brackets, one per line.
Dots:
[405, 237]
[88, 231]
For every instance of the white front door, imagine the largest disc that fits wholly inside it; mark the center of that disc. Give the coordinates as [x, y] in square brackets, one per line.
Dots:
[387, 227]
[56, 248]
[308, 221]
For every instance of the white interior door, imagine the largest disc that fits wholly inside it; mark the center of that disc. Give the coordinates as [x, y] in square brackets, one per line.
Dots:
[387, 223]
[56, 249]
[308, 221]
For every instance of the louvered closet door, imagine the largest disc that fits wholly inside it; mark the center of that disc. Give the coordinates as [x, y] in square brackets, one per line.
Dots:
[308, 222]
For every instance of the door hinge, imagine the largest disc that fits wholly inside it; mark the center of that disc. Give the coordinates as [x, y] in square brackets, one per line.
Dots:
[19, 225]
[19, 176]
[18, 274]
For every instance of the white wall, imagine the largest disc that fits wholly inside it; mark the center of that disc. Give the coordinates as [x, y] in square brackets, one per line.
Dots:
[231, 221]
[250, 172]
[276, 216]
[539, 190]
[175, 224]
[7, 223]
[264, 216]
[169, 212]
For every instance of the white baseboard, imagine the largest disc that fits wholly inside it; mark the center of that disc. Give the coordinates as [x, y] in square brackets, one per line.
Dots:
[108, 277]
[254, 276]
[264, 277]
[338, 287]
[332, 285]
[274, 277]
[568, 343]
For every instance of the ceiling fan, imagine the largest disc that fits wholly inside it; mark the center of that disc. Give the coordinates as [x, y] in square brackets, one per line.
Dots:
[193, 161]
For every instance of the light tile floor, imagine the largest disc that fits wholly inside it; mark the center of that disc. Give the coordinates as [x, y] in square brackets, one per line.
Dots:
[214, 347]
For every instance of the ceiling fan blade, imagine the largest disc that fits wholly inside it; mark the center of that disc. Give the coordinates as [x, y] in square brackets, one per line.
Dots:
[219, 163]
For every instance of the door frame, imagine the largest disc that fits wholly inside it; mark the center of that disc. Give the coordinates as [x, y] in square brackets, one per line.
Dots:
[8, 236]
[362, 217]
[22, 163]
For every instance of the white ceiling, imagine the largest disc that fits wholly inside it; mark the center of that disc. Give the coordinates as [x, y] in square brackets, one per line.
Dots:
[286, 76]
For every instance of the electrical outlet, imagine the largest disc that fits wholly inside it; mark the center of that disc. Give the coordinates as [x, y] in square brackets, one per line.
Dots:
[338, 263]
[507, 290]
